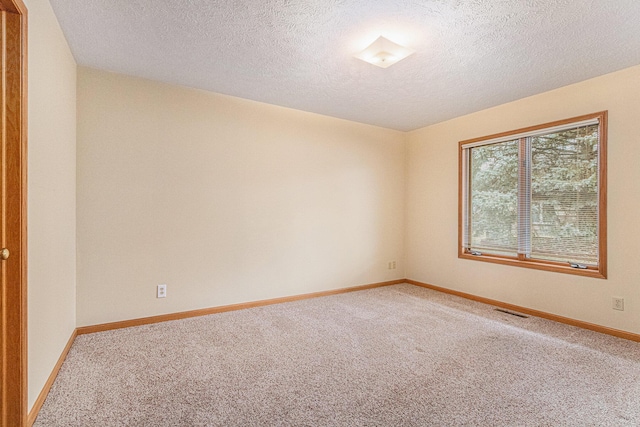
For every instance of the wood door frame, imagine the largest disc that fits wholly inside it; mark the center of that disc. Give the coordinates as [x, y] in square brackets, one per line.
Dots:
[13, 121]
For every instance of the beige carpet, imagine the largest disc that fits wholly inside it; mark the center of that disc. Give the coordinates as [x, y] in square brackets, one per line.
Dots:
[393, 356]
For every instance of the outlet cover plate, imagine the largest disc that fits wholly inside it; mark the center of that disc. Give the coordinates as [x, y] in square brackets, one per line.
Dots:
[162, 291]
[618, 303]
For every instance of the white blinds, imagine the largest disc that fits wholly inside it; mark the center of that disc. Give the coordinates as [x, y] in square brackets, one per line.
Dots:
[564, 199]
[534, 194]
[465, 205]
[493, 197]
[524, 197]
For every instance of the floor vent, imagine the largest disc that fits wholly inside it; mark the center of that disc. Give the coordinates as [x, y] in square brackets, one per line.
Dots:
[511, 313]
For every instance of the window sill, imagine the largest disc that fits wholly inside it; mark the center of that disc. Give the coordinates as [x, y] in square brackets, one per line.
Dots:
[597, 273]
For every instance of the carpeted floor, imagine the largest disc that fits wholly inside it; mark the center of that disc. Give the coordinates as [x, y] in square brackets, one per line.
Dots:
[393, 356]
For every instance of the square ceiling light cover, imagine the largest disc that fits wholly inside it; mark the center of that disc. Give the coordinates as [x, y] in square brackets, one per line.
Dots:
[384, 53]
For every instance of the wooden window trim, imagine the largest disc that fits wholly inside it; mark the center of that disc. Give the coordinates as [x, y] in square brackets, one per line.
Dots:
[596, 272]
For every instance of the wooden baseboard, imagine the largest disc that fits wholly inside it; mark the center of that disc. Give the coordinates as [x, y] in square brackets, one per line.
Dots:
[193, 313]
[221, 309]
[561, 319]
[33, 414]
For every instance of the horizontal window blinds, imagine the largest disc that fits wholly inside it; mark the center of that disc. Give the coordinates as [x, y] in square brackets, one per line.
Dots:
[534, 194]
[524, 197]
[564, 195]
[494, 197]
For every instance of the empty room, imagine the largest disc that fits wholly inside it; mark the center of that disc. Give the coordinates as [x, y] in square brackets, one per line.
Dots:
[320, 213]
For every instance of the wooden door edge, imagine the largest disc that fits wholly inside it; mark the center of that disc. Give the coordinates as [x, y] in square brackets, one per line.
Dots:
[14, 302]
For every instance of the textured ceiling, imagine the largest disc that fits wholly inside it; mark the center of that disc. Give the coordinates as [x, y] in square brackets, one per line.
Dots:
[470, 54]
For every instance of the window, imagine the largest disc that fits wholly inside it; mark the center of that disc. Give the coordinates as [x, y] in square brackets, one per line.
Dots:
[536, 197]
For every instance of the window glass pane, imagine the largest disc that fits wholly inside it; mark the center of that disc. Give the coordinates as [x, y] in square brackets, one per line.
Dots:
[564, 196]
[494, 198]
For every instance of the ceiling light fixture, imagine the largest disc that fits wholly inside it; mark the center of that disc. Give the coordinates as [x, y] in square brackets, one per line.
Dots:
[384, 53]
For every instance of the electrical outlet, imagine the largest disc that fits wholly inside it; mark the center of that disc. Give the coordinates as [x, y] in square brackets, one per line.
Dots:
[392, 265]
[162, 291]
[618, 303]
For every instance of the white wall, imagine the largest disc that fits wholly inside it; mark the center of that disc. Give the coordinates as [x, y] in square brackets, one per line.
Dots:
[51, 194]
[432, 205]
[225, 200]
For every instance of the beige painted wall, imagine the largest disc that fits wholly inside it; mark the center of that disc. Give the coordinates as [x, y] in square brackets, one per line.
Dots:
[225, 200]
[432, 209]
[228, 200]
[51, 194]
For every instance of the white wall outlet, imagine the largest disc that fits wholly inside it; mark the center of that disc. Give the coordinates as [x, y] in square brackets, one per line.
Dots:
[618, 303]
[392, 265]
[162, 291]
